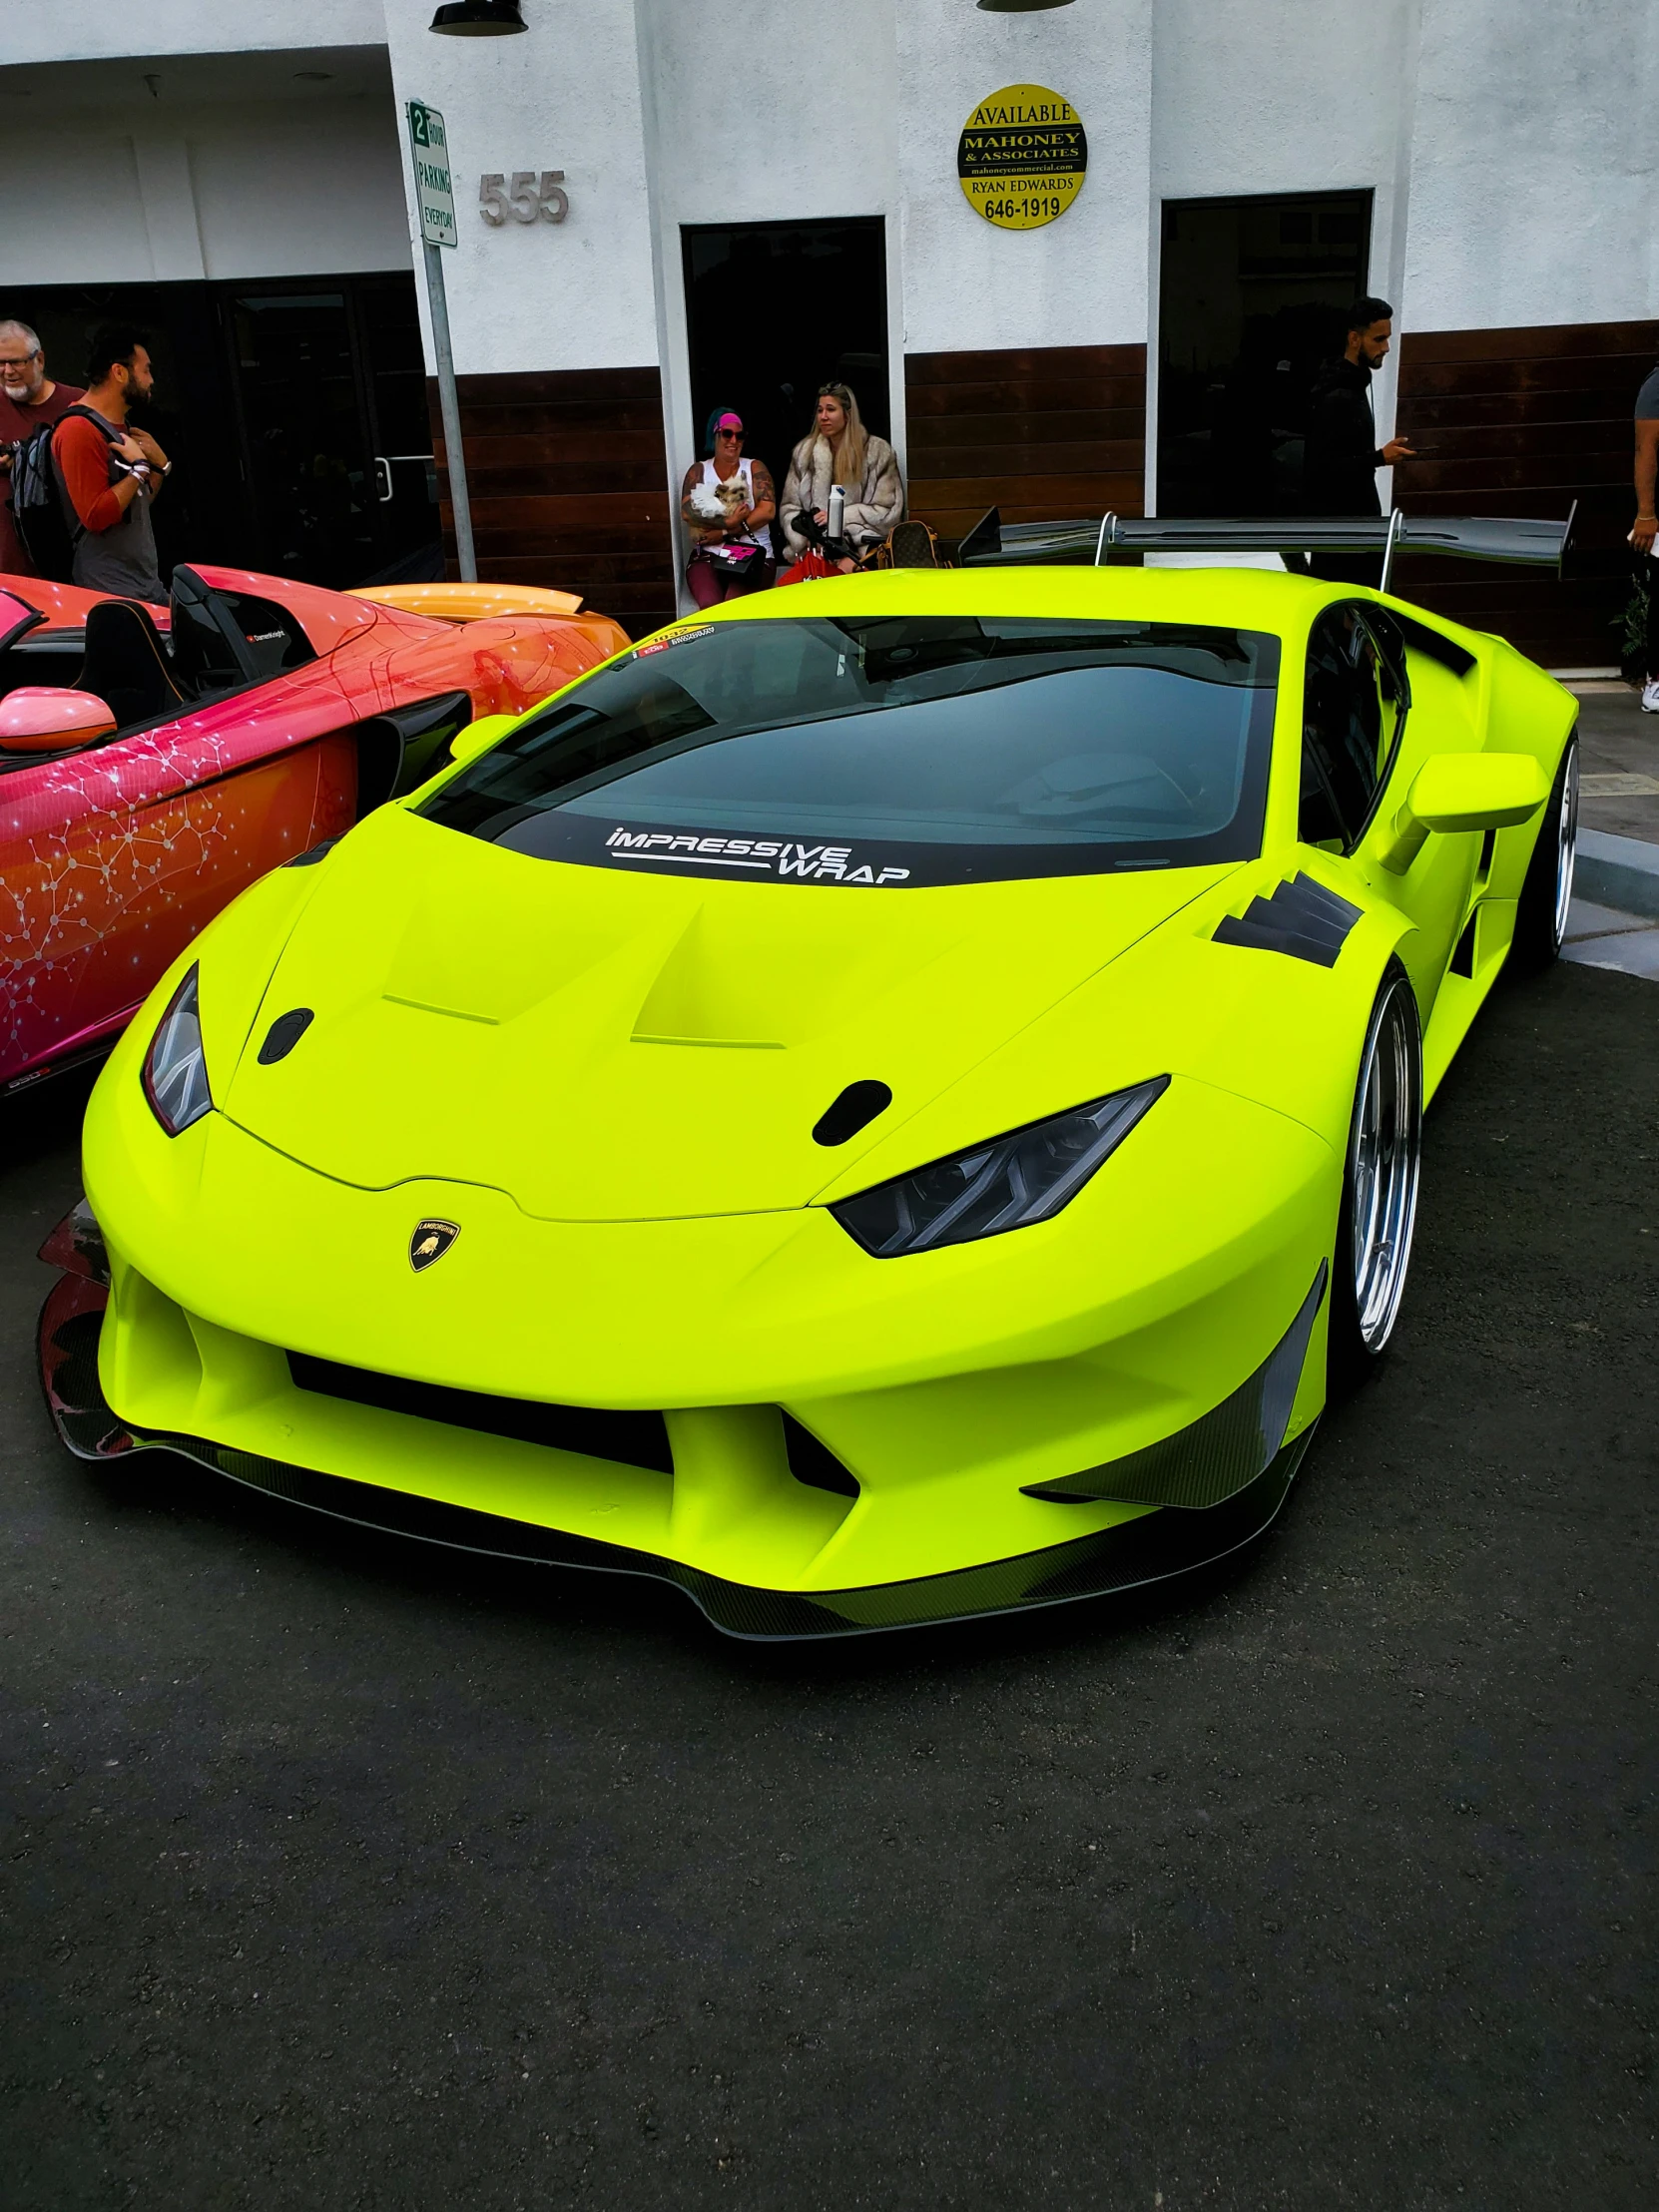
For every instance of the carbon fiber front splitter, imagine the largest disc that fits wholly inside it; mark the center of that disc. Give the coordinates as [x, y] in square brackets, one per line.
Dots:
[1168, 1541]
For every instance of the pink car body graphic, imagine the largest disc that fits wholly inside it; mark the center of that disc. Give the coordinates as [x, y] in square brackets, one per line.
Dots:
[114, 853]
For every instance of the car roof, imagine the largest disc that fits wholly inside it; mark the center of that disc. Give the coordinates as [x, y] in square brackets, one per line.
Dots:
[1229, 598]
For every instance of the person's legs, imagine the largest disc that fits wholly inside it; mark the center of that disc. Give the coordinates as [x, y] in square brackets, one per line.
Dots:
[707, 588]
[1650, 683]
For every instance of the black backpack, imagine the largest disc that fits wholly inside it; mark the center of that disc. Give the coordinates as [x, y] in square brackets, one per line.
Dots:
[38, 503]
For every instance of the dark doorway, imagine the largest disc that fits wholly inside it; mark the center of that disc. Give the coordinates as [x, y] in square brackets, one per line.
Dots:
[331, 391]
[773, 310]
[294, 411]
[1252, 299]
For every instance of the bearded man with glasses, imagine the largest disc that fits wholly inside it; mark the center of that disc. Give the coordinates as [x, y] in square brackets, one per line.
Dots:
[28, 397]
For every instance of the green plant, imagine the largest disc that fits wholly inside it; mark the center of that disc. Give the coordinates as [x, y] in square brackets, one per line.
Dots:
[1632, 624]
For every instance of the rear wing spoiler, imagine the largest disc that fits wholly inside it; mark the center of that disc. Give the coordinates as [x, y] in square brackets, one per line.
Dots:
[993, 543]
[470, 602]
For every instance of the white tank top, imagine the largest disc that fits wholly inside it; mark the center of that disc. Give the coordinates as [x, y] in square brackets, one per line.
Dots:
[760, 538]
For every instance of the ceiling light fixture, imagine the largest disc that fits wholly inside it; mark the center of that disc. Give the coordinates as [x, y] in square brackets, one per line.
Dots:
[479, 19]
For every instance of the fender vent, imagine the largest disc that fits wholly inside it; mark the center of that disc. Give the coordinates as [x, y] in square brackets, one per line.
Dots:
[1301, 919]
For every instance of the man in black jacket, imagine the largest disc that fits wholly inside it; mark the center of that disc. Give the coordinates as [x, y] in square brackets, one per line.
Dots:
[1342, 457]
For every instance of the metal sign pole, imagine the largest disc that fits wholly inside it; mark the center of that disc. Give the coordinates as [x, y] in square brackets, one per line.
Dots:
[450, 407]
[435, 194]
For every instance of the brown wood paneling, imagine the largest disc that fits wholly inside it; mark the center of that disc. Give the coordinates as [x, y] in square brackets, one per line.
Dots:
[1005, 394]
[1034, 364]
[1537, 341]
[568, 480]
[1045, 435]
[1105, 456]
[562, 387]
[1525, 409]
[1455, 378]
[1017, 427]
[1523, 422]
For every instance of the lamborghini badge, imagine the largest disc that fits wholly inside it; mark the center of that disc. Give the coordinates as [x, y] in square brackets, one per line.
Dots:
[431, 1239]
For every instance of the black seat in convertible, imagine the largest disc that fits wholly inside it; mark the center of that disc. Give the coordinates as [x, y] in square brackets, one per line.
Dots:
[126, 664]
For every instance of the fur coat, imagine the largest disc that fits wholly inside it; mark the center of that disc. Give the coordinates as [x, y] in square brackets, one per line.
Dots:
[873, 507]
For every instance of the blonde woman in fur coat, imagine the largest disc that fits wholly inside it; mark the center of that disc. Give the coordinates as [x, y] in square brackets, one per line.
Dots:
[840, 451]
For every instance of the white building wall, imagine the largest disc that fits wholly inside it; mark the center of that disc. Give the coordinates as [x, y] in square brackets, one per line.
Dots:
[1535, 164]
[229, 170]
[576, 294]
[745, 122]
[1299, 96]
[1080, 281]
[85, 30]
[1510, 149]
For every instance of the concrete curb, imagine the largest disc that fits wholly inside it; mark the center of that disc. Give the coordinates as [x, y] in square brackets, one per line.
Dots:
[1618, 871]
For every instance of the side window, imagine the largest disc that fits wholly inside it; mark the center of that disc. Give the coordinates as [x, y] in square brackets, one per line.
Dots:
[1354, 708]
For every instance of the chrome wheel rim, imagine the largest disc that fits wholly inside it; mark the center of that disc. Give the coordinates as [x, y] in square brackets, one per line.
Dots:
[1383, 1162]
[1566, 843]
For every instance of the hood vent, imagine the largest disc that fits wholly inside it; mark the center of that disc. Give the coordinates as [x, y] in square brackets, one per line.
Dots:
[856, 1108]
[1301, 919]
[283, 1035]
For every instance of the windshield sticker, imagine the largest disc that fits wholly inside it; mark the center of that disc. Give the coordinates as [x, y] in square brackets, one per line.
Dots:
[809, 863]
[675, 637]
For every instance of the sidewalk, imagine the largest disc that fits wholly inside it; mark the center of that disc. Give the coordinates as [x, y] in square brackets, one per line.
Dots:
[1618, 761]
[1615, 910]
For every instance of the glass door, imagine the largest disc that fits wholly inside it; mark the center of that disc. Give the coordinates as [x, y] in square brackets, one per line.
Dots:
[406, 502]
[309, 462]
[331, 391]
[1252, 300]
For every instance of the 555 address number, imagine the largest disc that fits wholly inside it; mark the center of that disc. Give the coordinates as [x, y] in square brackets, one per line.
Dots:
[528, 196]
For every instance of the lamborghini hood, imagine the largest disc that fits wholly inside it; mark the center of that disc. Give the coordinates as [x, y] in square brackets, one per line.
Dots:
[610, 1047]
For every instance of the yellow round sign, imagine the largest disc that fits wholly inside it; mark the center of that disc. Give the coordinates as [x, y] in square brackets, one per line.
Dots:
[1021, 157]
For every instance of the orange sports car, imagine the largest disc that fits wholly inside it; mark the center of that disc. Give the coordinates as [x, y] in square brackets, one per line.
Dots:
[154, 761]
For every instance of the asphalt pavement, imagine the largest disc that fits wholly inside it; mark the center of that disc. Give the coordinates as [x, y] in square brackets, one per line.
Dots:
[343, 1872]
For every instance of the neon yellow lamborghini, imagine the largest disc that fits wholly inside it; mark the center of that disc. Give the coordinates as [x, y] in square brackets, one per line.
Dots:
[884, 1103]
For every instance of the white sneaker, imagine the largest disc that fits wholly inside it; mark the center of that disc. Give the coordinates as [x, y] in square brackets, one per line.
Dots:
[1650, 695]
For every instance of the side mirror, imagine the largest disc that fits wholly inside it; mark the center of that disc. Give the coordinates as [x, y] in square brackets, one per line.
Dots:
[479, 736]
[42, 718]
[1464, 790]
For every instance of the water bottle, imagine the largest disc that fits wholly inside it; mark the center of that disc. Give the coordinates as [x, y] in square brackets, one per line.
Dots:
[837, 512]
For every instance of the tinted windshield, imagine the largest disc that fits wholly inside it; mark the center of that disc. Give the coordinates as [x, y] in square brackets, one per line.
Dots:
[905, 751]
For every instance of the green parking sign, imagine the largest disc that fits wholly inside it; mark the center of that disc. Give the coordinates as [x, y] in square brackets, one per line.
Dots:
[429, 151]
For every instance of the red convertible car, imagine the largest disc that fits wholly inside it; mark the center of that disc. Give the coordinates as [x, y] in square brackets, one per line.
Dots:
[154, 761]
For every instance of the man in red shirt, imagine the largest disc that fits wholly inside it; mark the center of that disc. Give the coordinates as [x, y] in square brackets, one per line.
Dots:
[28, 397]
[110, 473]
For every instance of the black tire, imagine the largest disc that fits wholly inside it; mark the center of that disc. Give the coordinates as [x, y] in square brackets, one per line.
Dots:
[1546, 894]
[1379, 1187]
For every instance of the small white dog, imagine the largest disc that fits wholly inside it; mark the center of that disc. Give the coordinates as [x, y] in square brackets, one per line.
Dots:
[716, 504]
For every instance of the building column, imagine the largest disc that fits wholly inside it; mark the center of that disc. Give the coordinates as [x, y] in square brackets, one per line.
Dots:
[1025, 349]
[554, 325]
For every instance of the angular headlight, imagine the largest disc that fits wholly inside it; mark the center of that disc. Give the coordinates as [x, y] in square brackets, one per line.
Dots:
[1008, 1183]
[175, 1073]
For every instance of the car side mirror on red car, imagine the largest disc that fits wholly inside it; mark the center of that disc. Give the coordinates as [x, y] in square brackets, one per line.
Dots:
[46, 718]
